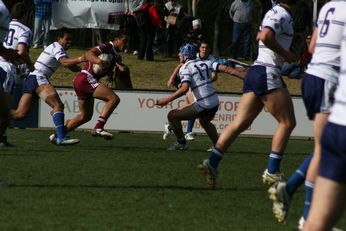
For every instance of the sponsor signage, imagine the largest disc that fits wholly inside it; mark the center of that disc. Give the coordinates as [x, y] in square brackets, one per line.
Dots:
[137, 112]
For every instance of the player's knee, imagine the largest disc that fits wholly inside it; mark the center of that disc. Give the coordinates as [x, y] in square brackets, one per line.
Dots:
[58, 107]
[290, 124]
[114, 100]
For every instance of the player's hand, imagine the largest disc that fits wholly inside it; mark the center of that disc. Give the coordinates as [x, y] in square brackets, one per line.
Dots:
[162, 102]
[82, 58]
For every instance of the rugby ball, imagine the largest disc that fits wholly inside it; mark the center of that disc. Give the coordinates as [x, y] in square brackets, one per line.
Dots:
[97, 69]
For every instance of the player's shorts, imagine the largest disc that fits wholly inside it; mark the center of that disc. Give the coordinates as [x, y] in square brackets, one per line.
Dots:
[318, 95]
[6, 82]
[333, 160]
[206, 112]
[262, 79]
[32, 82]
[84, 85]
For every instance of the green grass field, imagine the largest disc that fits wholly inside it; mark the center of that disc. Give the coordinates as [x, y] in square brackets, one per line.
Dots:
[133, 183]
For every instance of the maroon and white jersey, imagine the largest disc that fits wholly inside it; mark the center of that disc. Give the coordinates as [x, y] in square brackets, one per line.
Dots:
[107, 48]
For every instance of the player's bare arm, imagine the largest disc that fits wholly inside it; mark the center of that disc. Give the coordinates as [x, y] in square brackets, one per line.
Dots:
[237, 72]
[92, 56]
[178, 93]
[170, 82]
[267, 36]
[69, 62]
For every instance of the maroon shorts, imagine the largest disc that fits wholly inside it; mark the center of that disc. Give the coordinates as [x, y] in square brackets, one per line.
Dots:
[84, 85]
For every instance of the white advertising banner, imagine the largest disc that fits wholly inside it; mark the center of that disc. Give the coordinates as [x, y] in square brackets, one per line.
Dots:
[102, 14]
[137, 112]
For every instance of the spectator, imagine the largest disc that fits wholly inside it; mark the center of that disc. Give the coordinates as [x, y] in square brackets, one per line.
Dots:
[241, 12]
[296, 70]
[131, 7]
[148, 20]
[43, 16]
[172, 11]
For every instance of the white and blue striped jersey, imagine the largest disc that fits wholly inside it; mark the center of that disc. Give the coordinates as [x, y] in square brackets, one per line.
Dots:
[325, 62]
[338, 110]
[280, 21]
[198, 74]
[18, 33]
[5, 18]
[48, 61]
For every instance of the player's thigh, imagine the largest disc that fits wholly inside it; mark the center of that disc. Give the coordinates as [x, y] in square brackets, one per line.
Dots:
[102, 92]
[279, 103]
[183, 113]
[328, 202]
[250, 106]
[25, 103]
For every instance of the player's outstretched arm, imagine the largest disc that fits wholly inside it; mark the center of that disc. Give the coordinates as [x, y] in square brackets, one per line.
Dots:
[170, 82]
[71, 63]
[237, 72]
[178, 93]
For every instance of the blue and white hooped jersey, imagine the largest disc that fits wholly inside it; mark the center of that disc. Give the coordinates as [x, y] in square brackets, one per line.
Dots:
[5, 18]
[280, 21]
[48, 61]
[338, 110]
[325, 62]
[7, 76]
[18, 33]
[198, 74]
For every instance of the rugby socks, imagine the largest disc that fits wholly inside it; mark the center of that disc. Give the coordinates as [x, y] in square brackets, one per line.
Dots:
[309, 187]
[298, 177]
[100, 122]
[215, 157]
[274, 162]
[190, 124]
[58, 120]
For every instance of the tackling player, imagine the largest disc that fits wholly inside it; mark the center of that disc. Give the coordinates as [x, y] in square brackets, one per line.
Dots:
[37, 83]
[195, 74]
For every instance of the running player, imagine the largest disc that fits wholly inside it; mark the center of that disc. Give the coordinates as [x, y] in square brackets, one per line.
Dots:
[319, 84]
[328, 202]
[37, 83]
[88, 87]
[263, 88]
[18, 38]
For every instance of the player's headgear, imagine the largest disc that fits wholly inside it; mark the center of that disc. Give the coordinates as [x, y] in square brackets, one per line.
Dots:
[188, 50]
